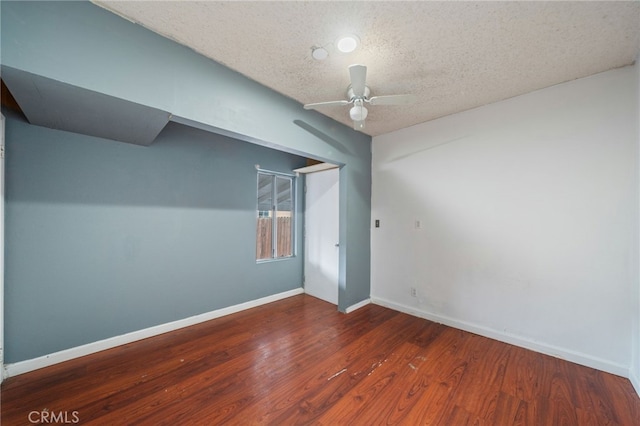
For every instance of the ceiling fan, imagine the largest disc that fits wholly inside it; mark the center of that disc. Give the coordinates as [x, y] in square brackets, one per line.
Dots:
[358, 94]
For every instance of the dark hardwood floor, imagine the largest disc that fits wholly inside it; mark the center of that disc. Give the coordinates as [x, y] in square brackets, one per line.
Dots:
[298, 361]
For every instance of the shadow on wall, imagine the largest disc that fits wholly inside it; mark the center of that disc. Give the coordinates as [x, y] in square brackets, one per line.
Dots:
[323, 136]
[183, 168]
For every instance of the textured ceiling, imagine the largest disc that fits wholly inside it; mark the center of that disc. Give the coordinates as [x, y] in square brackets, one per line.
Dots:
[452, 55]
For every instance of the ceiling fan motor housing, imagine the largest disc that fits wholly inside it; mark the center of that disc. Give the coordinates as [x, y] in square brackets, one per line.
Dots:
[352, 97]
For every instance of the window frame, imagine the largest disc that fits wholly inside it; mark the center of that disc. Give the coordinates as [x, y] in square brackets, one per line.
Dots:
[274, 222]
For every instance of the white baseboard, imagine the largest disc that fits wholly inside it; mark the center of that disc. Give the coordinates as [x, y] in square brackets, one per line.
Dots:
[576, 357]
[358, 305]
[635, 381]
[71, 353]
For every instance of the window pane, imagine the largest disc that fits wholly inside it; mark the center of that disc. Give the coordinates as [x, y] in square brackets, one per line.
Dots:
[275, 228]
[265, 192]
[284, 222]
[264, 237]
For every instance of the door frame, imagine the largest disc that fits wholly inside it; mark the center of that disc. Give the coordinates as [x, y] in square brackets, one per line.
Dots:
[322, 168]
[2, 202]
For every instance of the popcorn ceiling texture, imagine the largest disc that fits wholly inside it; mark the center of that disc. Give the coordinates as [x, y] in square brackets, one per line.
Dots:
[453, 55]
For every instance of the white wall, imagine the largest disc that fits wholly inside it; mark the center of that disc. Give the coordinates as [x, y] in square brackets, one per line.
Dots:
[528, 210]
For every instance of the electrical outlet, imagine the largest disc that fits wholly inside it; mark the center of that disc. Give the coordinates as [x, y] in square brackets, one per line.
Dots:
[414, 292]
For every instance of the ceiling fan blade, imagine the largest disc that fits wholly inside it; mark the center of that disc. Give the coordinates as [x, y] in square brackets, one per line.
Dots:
[358, 125]
[326, 104]
[392, 100]
[358, 75]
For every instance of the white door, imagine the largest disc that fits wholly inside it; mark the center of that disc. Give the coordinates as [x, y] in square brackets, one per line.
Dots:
[1, 247]
[322, 235]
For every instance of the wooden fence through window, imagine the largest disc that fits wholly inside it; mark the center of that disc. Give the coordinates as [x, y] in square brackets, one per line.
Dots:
[265, 235]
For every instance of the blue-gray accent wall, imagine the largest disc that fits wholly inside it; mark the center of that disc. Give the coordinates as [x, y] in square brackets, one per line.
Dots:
[83, 46]
[105, 238]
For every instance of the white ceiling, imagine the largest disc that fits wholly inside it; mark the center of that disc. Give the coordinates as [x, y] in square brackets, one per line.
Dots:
[453, 55]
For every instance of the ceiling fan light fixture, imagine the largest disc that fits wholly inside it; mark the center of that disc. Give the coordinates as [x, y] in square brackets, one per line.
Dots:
[348, 43]
[358, 112]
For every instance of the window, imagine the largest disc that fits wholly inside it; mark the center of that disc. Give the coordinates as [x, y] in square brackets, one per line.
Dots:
[275, 230]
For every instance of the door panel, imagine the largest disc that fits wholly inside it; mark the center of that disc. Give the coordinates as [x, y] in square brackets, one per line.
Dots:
[322, 235]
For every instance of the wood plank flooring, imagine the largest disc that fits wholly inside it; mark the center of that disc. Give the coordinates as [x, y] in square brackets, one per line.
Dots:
[298, 361]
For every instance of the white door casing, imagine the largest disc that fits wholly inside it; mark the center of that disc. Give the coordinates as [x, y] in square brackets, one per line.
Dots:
[2, 372]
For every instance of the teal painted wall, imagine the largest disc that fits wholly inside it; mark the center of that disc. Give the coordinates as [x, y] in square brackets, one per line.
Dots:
[82, 45]
[105, 238]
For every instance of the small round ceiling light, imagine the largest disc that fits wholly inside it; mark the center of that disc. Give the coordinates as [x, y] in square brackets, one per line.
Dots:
[348, 43]
[319, 53]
